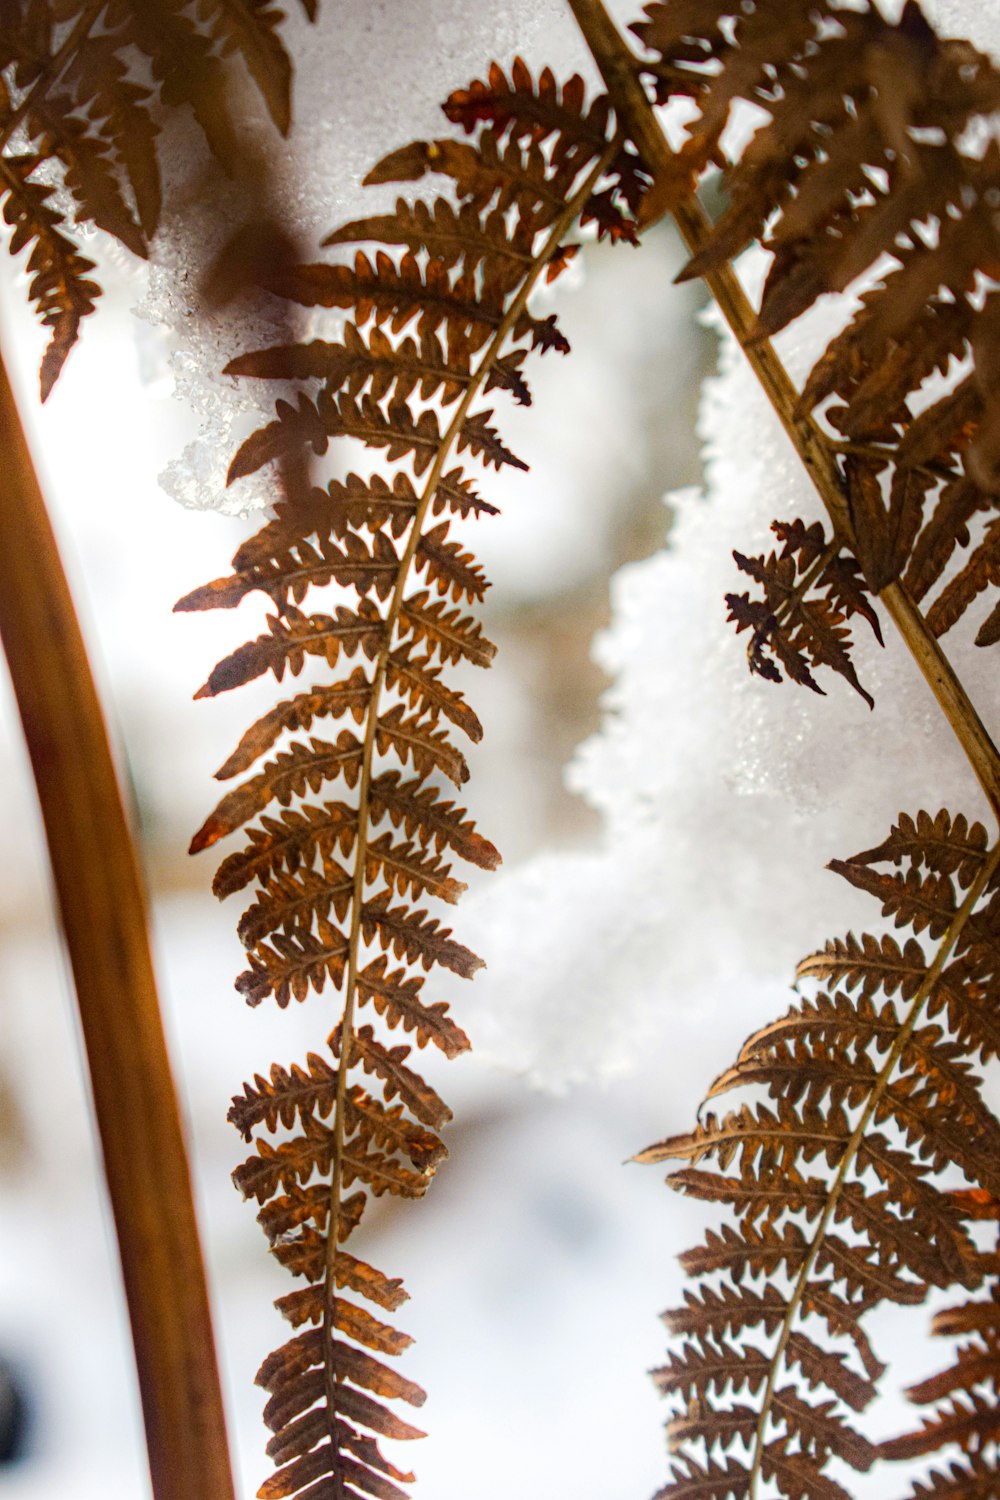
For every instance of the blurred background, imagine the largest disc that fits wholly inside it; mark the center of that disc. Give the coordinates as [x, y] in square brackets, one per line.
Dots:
[536, 1266]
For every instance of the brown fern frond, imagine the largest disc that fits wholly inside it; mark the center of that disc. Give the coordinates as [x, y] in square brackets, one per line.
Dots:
[861, 166]
[378, 365]
[97, 77]
[60, 284]
[966, 1413]
[448, 234]
[290, 965]
[88, 168]
[544, 113]
[66, 86]
[395, 295]
[293, 771]
[438, 317]
[332, 701]
[283, 843]
[293, 636]
[858, 1110]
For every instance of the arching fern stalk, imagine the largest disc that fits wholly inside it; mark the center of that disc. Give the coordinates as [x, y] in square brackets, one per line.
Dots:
[439, 318]
[856, 1173]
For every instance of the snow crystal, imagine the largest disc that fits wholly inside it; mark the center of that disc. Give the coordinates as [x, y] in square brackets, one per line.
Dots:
[967, 18]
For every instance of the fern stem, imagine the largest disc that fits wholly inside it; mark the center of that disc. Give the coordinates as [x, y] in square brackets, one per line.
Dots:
[101, 903]
[619, 68]
[561, 225]
[879, 1087]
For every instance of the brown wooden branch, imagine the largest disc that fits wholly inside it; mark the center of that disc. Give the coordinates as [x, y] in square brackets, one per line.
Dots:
[618, 68]
[103, 913]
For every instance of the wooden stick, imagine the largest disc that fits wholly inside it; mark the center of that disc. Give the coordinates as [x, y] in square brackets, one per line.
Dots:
[103, 912]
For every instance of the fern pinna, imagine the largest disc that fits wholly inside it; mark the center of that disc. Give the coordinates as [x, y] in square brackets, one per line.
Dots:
[965, 1399]
[71, 100]
[440, 315]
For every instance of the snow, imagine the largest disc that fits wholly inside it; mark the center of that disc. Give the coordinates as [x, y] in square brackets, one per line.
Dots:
[721, 796]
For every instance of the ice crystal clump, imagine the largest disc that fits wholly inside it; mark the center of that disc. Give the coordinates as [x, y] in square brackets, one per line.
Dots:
[722, 797]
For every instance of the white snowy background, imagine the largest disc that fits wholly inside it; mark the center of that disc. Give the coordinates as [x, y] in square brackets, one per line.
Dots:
[647, 916]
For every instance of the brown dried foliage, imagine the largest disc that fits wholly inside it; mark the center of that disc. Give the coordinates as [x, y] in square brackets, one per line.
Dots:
[353, 831]
[858, 1111]
[864, 155]
[964, 1397]
[810, 592]
[861, 1148]
[73, 115]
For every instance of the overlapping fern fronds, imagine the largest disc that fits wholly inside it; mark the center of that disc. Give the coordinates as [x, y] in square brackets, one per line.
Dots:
[354, 831]
[862, 1146]
[870, 150]
[83, 84]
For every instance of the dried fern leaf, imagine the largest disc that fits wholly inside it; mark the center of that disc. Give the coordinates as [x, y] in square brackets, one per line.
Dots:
[810, 592]
[862, 166]
[438, 316]
[60, 285]
[837, 1172]
[67, 87]
[118, 108]
[966, 1414]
